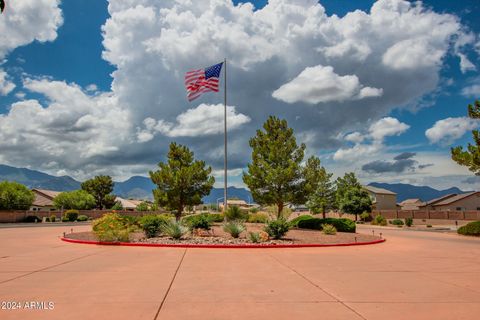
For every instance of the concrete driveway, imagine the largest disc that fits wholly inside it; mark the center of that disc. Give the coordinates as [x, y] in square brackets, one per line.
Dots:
[414, 275]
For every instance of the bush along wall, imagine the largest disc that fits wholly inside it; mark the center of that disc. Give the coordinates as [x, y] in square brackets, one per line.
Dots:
[342, 225]
[471, 229]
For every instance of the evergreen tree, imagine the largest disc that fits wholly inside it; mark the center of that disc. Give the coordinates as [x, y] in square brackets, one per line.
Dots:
[319, 187]
[181, 181]
[275, 175]
[470, 157]
[351, 197]
[101, 187]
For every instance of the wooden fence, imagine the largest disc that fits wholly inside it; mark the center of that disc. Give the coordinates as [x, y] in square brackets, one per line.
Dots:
[427, 215]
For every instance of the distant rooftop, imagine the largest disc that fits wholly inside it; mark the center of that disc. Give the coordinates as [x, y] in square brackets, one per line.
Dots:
[379, 190]
[456, 198]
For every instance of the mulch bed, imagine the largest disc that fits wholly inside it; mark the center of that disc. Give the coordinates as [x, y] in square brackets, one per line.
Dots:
[217, 236]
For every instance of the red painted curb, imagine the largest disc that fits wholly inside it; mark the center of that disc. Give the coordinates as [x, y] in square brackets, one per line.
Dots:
[220, 246]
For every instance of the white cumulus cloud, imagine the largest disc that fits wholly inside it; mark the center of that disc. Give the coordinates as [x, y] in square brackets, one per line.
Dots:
[6, 86]
[448, 130]
[321, 84]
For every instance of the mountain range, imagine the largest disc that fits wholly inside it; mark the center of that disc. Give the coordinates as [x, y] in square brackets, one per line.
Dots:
[138, 187]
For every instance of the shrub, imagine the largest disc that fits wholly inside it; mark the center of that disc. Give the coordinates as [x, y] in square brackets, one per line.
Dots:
[253, 210]
[277, 228]
[32, 219]
[329, 229]
[379, 220]
[429, 225]
[366, 216]
[143, 206]
[294, 222]
[53, 218]
[216, 217]
[234, 228]
[174, 229]
[409, 222]
[397, 222]
[70, 215]
[257, 218]
[82, 217]
[471, 229]
[235, 213]
[112, 227]
[201, 221]
[254, 237]
[152, 224]
[342, 224]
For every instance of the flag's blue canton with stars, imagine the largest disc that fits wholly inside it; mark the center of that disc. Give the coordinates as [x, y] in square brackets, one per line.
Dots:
[202, 80]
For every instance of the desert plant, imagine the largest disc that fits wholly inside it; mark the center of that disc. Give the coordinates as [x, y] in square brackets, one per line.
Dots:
[152, 224]
[174, 229]
[253, 210]
[235, 213]
[470, 229]
[254, 237]
[234, 228]
[342, 224]
[397, 222]
[112, 227]
[277, 228]
[53, 218]
[257, 218]
[201, 221]
[408, 222]
[82, 217]
[216, 217]
[379, 220]
[329, 229]
[70, 215]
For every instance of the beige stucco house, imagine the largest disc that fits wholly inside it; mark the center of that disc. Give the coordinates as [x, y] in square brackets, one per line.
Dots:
[460, 202]
[43, 200]
[382, 199]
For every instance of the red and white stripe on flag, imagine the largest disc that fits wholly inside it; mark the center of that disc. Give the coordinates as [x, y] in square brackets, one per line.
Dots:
[196, 84]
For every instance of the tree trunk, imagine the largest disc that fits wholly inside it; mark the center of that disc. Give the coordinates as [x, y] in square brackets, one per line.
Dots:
[280, 209]
[323, 213]
[178, 215]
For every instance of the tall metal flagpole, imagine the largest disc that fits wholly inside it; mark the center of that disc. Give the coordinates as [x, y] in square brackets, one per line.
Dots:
[225, 201]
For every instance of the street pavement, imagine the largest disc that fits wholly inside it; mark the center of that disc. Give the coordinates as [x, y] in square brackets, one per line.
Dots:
[413, 275]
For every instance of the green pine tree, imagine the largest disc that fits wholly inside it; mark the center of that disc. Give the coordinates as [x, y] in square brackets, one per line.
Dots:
[181, 181]
[319, 187]
[351, 197]
[275, 175]
[100, 187]
[470, 157]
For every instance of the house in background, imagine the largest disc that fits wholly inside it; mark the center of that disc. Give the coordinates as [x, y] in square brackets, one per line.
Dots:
[411, 204]
[459, 202]
[44, 200]
[129, 205]
[430, 205]
[382, 199]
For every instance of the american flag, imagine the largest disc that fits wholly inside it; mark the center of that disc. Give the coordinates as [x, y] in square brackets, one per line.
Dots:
[202, 80]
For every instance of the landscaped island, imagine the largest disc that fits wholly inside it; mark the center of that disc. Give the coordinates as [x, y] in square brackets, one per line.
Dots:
[212, 230]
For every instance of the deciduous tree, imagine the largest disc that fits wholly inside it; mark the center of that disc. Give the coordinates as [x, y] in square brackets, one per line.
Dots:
[15, 196]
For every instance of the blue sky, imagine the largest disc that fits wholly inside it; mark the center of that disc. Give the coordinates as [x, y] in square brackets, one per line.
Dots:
[145, 102]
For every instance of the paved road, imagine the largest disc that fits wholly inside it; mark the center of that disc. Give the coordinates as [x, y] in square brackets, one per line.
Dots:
[414, 275]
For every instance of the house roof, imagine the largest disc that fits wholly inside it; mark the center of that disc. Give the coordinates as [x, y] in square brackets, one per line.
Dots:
[434, 201]
[411, 201]
[44, 198]
[47, 193]
[379, 190]
[456, 198]
[127, 204]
